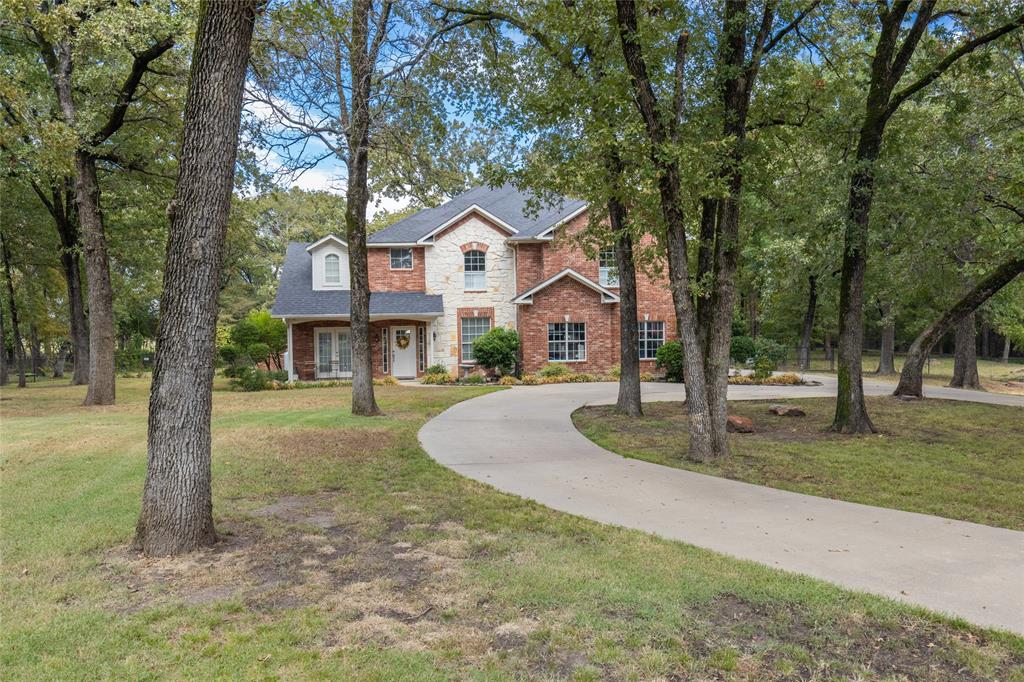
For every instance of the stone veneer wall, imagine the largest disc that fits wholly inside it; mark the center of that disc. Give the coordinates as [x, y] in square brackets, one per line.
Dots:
[444, 275]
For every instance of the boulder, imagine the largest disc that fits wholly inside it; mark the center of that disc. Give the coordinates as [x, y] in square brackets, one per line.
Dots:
[737, 424]
[787, 411]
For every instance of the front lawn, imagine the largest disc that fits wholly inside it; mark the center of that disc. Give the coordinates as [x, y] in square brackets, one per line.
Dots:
[954, 459]
[347, 553]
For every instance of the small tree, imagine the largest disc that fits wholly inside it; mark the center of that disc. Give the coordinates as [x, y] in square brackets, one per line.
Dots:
[498, 349]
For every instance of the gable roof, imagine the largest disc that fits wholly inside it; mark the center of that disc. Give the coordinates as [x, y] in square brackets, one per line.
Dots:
[329, 238]
[607, 296]
[505, 205]
[296, 297]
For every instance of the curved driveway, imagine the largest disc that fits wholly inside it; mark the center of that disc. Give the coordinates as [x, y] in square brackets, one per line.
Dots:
[523, 441]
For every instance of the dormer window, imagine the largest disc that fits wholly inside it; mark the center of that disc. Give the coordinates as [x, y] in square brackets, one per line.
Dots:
[476, 271]
[332, 269]
[401, 259]
[608, 269]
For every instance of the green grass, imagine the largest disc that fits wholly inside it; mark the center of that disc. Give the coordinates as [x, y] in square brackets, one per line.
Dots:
[954, 459]
[348, 554]
[938, 371]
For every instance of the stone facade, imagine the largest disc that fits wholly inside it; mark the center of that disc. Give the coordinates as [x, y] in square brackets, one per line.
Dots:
[445, 275]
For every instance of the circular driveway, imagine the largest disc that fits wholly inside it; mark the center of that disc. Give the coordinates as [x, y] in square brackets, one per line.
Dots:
[522, 441]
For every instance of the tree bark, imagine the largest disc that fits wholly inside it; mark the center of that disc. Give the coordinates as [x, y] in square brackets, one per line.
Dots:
[804, 354]
[177, 508]
[887, 352]
[911, 378]
[700, 426]
[59, 359]
[101, 292]
[965, 357]
[986, 337]
[830, 354]
[364, 403]
[628, 401]
[19, 349]
[4, 373]
[35, 349]
[1006, 350]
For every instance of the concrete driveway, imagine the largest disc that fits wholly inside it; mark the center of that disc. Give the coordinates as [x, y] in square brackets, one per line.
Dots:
[522, 441]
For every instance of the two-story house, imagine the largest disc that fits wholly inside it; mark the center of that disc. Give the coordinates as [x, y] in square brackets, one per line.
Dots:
[446, 275]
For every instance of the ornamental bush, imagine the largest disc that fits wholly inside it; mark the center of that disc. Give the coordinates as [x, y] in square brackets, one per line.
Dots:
[670, 358]
[553, 369]
[741, 349]
[498, 349]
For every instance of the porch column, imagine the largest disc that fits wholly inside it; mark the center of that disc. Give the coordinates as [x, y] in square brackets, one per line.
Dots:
[290, 357]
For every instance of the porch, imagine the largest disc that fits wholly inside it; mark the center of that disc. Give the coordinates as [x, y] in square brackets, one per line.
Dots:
[321, 350]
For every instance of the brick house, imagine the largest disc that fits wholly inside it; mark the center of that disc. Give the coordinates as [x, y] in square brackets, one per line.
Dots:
[442, 277]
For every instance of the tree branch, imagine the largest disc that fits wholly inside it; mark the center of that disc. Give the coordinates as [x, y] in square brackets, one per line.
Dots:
[940, 68]
[127, 93]
[785, 30]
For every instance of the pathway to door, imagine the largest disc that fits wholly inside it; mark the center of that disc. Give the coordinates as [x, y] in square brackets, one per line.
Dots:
[523, 441]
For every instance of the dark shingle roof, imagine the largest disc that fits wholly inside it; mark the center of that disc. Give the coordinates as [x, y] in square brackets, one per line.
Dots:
[296, 298]
[504, 202]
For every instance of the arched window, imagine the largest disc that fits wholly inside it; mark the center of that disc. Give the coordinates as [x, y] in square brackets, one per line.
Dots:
[332, 269]
[476, 271]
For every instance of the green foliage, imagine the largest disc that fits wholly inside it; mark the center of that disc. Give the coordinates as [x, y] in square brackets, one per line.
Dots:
[258, 338]
[473, 380]
[768, 355]
[437, 369]
[439, 378]
[741, 348]
[553, 369]
[497, 349]
[670, 358]
[252, 379]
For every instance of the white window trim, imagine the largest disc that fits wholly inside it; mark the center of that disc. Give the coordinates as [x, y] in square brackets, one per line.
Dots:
[327, 281]
[586, 350]
[428, 238]
[607, 296]
[640, 339]
[465, 273]
[412, 258]
[462, 320]
[385, 348]
[603, 271]
[336, 332]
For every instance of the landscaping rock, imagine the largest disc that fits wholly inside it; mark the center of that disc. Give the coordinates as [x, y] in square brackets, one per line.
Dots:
[737, 424]
[787, 411]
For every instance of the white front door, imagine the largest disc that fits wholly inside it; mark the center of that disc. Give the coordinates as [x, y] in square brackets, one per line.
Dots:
[403, 352]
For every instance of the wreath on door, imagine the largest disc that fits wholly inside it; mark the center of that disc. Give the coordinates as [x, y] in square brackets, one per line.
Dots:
[402, 342]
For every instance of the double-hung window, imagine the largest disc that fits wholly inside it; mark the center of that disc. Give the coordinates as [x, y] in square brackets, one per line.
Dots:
[401, 259]
[476, 271]
[608, 270]
[332, 269]
[567, 341]
[472, 329]
[652, 337]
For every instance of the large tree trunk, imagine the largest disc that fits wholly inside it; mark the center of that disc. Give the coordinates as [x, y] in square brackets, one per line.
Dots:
[4, 374]
[364, 402]
[965, 357]
[886, 356]
[69, 260]
[911, 378]
[19, 348]
[101, 293]
[804, 353]
[986, 336]
[177, 508]
[628, 401]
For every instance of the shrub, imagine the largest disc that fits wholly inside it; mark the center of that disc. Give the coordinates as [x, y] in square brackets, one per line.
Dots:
[386, 381]
[473, 380]
[251, 379]
[772, 351]
[741, 379]
[581, 378]
[509, 380]
[437, 369]
[646, 376]
[553, 369]
[763, 368]
[741, 349]
[670, 358]
[530, 380]
[259, 352]
[497, 349]
[615, 372]
[437, 378]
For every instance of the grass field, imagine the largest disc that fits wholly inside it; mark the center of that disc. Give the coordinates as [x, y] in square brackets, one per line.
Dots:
[346, 553]
[995, 376]
[952, 459]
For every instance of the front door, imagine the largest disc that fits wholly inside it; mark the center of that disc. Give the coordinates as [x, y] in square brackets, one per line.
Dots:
[333, 354]
[403, 352]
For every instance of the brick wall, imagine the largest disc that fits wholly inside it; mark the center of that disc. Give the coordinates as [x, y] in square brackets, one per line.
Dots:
[383, 278]
[538, 262]
[304, 344]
